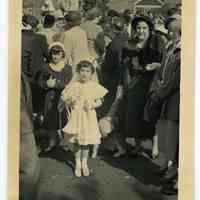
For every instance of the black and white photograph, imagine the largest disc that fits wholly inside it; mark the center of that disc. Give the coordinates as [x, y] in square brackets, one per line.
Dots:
[100, 99]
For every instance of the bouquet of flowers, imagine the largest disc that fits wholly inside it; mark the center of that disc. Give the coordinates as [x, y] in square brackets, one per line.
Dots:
[71, 95]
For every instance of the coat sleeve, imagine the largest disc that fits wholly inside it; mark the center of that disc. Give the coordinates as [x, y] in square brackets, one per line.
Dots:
[67, 77]
[43, 76]
[170, 85]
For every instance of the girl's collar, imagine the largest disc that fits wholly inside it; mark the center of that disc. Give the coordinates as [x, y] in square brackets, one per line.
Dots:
[57, 67]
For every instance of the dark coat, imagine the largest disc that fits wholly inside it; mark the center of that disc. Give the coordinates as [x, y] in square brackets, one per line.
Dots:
[34, 50]
[168, 83]
[53, 120]
[29, 169]
[110, 71]
[136, 81]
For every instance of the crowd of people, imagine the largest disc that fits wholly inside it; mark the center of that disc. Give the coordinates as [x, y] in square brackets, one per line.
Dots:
[86, 77]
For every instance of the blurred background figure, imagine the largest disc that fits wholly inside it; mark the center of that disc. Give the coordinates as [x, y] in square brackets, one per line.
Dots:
[29, 167]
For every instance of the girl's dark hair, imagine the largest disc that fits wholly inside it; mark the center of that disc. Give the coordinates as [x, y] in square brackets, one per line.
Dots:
[55, 50]
[85, 64]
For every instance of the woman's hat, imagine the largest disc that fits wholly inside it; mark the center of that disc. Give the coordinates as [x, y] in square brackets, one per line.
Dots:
[136, 20]
[58, 44]
[58, 14]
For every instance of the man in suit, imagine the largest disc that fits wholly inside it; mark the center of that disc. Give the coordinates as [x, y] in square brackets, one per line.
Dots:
[34, 53]
[167, 92]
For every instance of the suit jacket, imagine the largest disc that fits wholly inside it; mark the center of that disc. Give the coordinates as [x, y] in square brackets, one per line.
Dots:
[34, 50]
[168, 83]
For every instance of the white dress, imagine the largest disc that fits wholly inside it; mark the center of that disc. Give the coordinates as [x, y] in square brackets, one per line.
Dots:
[82, 127]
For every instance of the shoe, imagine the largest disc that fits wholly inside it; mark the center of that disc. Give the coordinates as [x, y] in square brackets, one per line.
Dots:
[161, 171]
[94, 155]
[137, 150]
[77, 172]
[170, 175]
[86, 171]
[169, 190]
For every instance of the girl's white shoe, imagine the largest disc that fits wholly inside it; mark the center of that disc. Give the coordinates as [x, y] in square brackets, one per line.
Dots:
[86, 171]
[77, 172]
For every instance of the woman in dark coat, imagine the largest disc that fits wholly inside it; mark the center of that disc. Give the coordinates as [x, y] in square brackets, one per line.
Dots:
[140, 57]
[54, 77]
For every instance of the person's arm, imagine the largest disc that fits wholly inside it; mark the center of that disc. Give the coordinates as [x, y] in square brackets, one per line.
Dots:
[60, 84]
[170, 85]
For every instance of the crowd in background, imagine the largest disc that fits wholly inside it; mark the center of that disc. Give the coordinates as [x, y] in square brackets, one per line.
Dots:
[135, 56]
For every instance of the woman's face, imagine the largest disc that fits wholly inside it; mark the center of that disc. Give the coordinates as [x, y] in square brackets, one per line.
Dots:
[142, 31]
[85, 74]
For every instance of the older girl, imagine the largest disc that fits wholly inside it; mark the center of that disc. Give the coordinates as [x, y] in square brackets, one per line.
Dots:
[54, 77]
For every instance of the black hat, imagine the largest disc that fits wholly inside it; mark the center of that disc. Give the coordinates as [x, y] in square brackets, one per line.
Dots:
[136, 20]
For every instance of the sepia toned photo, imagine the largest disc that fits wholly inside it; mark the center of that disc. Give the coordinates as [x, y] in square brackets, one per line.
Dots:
[99, 99]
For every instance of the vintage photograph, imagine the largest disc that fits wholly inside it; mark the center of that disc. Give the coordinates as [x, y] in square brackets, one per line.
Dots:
[99, 99]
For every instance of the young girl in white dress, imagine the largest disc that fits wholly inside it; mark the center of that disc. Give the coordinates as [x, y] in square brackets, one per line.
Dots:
[83, 96]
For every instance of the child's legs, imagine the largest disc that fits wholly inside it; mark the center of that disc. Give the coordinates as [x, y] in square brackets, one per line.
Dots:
[85, 154]
[77, 154]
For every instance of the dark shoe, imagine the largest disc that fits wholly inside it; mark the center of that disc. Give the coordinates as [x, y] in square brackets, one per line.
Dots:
[169, 190]
[136, 151]
[171, 174]
[161, 171]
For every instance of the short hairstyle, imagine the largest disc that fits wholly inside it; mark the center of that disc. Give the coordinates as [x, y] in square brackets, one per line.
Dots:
[85, 64]
[55, 50]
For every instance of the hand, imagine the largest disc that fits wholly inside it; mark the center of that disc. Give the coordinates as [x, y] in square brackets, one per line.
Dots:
[87, 106]
[152, 66]
[51, 82]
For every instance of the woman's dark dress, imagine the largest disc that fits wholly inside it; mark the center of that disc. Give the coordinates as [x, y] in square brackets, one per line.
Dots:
[136, 81]
[53, 120]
